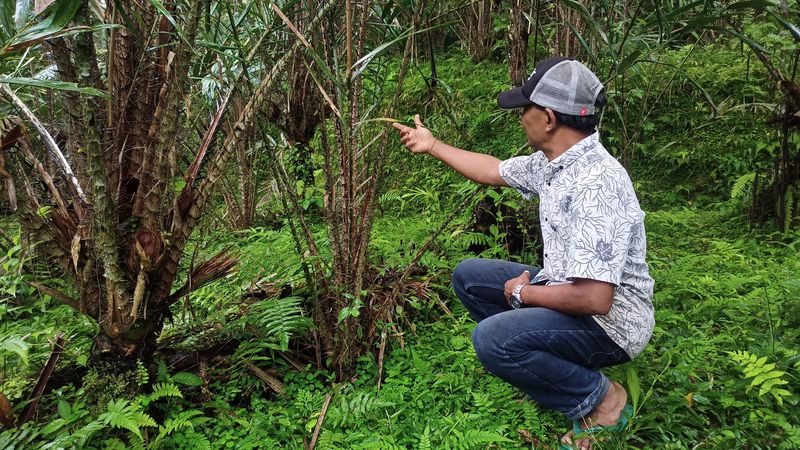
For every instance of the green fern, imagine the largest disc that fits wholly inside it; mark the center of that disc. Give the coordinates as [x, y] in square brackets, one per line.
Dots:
[477, 239]
[183, 420]
[472, 438]
[187, 379]
[331, 440]
[277, 321]
[358, 407]
[129, 416]
[763, 375]
[391, 197]
[425, 439]
[791, 440]
[743, 185]
[160, 390]
[378, 443]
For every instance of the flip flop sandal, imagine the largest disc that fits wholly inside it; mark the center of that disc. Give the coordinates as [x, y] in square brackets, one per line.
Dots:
[579, 433]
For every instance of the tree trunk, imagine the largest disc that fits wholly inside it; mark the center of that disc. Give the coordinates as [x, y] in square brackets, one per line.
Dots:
[518, 43]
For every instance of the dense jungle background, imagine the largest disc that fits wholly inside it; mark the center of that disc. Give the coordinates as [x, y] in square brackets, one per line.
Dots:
[211, 237]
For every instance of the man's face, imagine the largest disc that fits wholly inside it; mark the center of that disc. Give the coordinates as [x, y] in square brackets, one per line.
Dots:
[536, 122]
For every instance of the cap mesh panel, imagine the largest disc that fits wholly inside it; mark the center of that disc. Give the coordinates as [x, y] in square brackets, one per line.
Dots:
[568, 88]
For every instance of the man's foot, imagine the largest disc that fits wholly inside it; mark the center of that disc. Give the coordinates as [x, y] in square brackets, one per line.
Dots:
[606, 413]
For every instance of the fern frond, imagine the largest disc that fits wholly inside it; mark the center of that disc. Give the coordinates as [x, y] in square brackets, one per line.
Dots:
[743, 185]
[184, 419]
[187, 379]
[472, 438]
[762, 375]
[391, 197]
[277, 321]
[125, 415]
[359, 407]
[425, 439]
[161, 390]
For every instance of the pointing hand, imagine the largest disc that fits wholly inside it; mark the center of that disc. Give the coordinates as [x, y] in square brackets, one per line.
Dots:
[419, 139]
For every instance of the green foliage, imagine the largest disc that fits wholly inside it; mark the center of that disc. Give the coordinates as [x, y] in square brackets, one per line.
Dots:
[764, 375]
[721, 299]
[76, 426]
[26, 330]
[743, 185]
[122, 414]
[12, 274]
[277, 321]
[721, 369]
[15, 345]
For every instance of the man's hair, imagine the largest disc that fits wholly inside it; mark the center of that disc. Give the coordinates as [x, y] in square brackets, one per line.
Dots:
[586, 124]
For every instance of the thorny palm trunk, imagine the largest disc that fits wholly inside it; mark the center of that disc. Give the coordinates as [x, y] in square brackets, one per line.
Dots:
[781, 200]
[345, 312]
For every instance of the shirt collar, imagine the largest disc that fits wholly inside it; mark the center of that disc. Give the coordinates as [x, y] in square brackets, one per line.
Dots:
[575, 152]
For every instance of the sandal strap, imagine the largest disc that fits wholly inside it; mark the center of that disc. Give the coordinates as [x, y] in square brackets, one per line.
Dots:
[625, 416]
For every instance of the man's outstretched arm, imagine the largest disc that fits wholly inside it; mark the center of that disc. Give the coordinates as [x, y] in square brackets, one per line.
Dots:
[478, 167]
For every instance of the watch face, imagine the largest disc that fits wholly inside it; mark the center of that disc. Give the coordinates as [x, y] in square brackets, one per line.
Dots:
[516, 303]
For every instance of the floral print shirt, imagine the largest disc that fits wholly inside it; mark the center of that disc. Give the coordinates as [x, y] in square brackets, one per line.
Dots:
[592, 227]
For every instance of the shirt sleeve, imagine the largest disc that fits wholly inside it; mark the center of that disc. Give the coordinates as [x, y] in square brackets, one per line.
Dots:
[602, 222]
[523, 173]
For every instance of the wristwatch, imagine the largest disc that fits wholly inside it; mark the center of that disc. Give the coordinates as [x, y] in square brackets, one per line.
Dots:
[516, 299]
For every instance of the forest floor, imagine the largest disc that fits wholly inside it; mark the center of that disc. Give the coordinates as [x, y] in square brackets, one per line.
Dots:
[721, 370]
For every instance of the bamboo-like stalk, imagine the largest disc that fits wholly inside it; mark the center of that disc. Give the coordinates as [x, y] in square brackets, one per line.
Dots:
[348, 13]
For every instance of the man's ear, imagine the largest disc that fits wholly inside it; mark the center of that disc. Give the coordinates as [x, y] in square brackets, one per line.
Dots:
[551, 119]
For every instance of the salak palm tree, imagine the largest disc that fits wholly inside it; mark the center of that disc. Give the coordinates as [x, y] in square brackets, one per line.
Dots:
[112, 206]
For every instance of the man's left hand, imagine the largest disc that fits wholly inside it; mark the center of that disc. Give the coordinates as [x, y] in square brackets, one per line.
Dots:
[525, 278]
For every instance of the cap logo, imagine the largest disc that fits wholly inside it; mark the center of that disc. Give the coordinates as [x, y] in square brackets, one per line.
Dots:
[583, 111]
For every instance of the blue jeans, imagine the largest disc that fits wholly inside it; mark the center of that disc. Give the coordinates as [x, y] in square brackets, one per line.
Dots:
[548, 355]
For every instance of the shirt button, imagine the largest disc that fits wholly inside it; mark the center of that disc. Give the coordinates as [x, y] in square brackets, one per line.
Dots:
[546, 255]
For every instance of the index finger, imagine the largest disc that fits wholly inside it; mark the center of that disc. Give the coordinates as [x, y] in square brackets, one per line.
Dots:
[400, 126]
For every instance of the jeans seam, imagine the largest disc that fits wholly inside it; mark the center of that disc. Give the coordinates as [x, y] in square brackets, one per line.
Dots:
[468, 286]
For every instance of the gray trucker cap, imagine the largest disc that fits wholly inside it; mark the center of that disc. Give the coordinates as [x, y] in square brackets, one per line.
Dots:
[561, 84]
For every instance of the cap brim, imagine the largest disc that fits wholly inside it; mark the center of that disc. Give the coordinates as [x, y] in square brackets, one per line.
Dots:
[513, 98]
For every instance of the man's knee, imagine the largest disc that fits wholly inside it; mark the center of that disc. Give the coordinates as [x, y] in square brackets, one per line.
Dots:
[484, 340]
[464, 272]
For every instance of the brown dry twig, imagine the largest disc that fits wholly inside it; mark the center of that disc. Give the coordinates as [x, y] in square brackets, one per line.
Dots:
[320, 419]
[44, 376]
